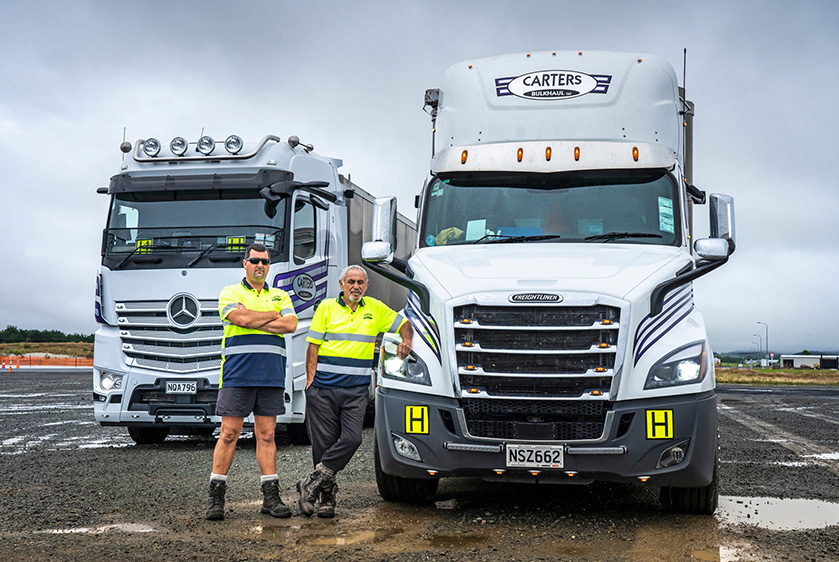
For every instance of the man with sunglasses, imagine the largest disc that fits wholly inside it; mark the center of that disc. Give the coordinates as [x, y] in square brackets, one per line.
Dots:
[255, 317]
[338, 367]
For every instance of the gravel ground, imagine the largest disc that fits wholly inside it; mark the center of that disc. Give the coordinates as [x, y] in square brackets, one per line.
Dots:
[75, 491]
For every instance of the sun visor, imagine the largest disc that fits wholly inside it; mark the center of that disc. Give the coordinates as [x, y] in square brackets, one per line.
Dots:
[125, 183]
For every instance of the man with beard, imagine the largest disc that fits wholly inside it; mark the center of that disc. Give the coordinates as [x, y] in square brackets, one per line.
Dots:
[338, 366]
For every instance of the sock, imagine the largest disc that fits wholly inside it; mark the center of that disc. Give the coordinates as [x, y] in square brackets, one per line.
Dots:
[325, 470]
[218, 477]
[268, 477]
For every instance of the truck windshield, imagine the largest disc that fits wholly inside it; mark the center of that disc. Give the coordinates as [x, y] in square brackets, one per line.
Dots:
[188, 229]
[616, 206]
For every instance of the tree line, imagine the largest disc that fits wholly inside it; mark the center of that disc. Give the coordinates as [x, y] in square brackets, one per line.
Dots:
[13, 334]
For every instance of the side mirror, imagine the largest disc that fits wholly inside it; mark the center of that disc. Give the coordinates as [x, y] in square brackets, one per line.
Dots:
[722, 219]
[711, 249]
[381, 248]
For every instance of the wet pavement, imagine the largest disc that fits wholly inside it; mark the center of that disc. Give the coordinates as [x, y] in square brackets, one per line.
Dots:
[76, 491]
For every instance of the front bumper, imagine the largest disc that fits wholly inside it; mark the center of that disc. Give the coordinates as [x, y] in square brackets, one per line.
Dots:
[635, 445]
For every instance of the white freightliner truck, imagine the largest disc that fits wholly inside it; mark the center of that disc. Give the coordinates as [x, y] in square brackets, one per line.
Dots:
[178, 223]
[556, 337]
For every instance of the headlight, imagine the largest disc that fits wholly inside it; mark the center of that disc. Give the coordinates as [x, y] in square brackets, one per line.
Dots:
[412, 369]
[110, 381]
[151, 147]
[233, 144]
[178, 146]
[206, 145]
[686, 365]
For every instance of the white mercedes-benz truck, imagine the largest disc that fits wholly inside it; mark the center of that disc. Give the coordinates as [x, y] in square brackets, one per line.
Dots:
[180, 218]
[556, 336]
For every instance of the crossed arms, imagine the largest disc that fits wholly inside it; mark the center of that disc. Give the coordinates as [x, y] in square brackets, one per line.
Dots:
[268, 321]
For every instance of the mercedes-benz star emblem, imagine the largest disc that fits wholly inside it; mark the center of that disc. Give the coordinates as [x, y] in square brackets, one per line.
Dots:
[183, 310]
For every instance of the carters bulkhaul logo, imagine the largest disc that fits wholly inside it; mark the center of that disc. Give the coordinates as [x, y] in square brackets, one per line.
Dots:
[552, 85]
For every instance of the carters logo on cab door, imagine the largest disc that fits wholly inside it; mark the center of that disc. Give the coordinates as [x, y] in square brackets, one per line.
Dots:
[552, 85]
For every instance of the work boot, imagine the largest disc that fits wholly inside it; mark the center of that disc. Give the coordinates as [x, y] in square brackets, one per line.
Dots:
[272, 504]
[328, 491]
[215, 505]
[309, 488]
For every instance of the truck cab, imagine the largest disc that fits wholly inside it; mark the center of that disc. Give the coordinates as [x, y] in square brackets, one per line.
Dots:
[556, 336]
[178, 223]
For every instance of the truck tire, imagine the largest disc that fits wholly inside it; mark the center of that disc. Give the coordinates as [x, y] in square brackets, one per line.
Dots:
[298, 433]
[701, 501]
[404, 490]
[148, 435]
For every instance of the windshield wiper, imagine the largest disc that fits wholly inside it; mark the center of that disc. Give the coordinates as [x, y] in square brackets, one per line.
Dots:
[128, 257]
[498, 238]
[210, 249]
[609, 236]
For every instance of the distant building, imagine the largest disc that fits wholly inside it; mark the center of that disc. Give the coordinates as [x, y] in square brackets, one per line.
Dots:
[810, 361]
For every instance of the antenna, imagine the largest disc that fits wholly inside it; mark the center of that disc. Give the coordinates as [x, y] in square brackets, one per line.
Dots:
[685, 68]
[125, 147]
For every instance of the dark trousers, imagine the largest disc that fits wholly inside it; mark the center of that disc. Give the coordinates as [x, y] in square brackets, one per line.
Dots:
[336, 418]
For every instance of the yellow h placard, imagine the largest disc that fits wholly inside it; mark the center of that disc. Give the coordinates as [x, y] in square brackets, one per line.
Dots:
[659, 424]
[235, 243]
[416, 419]
[144, 246]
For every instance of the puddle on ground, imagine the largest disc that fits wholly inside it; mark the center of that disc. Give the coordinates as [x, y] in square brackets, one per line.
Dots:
[720, 554]
[124, 527]
[325, 539]
[778, 514]
[458, 540]
[348, 538]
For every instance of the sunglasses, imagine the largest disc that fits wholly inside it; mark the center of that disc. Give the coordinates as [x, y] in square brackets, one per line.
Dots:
[263, 261]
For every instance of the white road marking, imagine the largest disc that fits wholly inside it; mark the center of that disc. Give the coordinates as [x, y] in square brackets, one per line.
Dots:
[815, 453]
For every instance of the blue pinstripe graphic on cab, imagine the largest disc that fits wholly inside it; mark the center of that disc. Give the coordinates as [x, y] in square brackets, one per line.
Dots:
[677, 306]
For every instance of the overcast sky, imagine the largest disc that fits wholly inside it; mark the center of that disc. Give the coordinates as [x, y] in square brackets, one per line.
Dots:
[349, 77]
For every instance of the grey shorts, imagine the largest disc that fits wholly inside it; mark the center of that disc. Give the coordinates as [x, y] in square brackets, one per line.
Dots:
[240, 401]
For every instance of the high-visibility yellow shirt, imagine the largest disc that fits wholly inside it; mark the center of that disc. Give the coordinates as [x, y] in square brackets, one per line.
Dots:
[346, 339]
[252, 357]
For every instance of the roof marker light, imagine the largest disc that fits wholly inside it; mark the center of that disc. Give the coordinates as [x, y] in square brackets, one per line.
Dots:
[467, 344]
[151, 147]
[178, 146]
[603, 345]
[463, 156]
[600, 369]
[469, 367]
[520, 152]
[474, 391]
[635, 153]
[206, 145]
[577, 153]
[606, 322]
[596, 393]
[548, 154]
[465, 320]
[233, 144]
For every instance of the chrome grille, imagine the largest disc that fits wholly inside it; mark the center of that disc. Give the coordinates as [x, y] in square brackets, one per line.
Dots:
[536, 372]
[149, 340]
